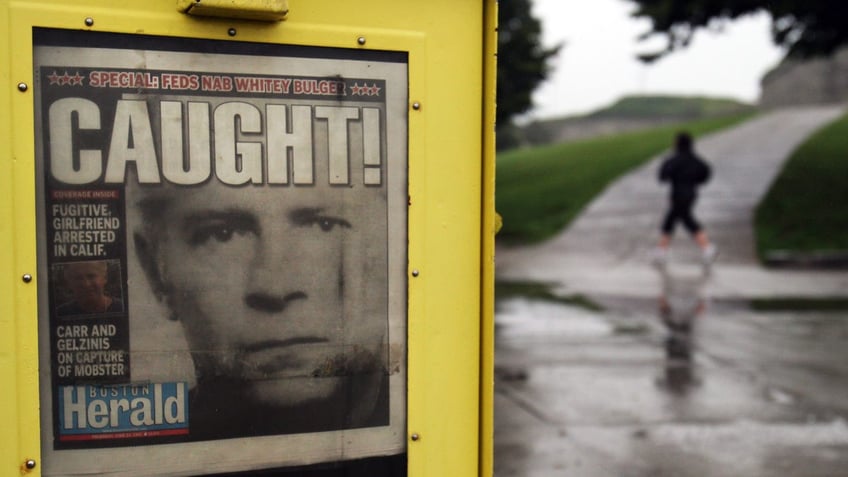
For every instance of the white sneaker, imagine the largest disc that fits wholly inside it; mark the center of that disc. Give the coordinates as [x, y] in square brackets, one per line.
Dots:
[710, 254]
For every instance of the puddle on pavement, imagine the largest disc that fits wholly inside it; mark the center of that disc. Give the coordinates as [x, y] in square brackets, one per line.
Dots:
[531, 311]
[735, 385]
[523, 317]
[531, 314]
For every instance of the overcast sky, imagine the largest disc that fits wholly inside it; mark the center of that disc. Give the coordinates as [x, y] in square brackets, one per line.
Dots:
[597, 63]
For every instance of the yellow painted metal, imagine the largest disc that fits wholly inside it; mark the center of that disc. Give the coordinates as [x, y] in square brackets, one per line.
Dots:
[490, 225]
[451, 185]
[19, 419]
[269, 10]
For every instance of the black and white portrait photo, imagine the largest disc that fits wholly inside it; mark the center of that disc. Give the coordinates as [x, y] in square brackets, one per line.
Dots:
[281, 293]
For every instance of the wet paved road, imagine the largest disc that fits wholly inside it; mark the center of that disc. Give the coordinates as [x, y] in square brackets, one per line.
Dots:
[617, 393]
[677, 376]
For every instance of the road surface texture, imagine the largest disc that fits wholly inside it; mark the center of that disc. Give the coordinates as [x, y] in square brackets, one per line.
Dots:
[678, 375]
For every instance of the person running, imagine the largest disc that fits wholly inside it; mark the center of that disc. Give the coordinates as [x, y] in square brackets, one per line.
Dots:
[686, 172]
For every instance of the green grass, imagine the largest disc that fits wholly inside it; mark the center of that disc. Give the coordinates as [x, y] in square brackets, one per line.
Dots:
[806, 208]
[540, 190]
[800, 304]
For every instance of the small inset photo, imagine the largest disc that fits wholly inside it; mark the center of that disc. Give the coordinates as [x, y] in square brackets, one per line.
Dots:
[86, 288]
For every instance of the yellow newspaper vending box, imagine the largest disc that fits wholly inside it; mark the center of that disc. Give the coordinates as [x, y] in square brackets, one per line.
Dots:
[250, 237]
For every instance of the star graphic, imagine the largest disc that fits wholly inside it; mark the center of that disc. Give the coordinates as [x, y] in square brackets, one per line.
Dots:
[374, 90]
[64, 79]
[54, 78]
[76, 79]
[355, 90]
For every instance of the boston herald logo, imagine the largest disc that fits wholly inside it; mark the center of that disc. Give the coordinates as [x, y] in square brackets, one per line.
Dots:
[97, 409]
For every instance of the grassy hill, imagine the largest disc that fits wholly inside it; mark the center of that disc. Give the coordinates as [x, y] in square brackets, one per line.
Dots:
[679, 107]
[630, 113]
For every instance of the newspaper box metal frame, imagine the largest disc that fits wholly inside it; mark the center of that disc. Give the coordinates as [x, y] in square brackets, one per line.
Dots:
[447, 272]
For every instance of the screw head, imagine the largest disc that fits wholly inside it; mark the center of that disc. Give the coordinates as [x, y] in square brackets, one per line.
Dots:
[415, 436]
[26, 278]
[89, 21]
[231, 32]
[361, 40]
[29, 464]
[416, 105]
[415, 273]
[22, 87]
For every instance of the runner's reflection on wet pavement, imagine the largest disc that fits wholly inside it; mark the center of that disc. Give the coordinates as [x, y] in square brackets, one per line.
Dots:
[681, 303]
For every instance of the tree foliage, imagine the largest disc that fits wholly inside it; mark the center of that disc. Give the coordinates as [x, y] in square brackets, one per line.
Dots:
[803, 27]
[522, 61]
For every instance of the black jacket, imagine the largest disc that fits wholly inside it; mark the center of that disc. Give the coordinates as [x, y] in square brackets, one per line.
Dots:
[686, 172]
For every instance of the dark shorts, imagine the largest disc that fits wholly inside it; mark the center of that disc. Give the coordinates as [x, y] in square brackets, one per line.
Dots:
[681, 210]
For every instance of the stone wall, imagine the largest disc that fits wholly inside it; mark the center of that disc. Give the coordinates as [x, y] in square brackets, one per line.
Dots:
[593, 127]
[814, 81]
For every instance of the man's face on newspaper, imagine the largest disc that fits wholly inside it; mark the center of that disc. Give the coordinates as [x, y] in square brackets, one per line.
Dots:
[273, 285]
[87, 281]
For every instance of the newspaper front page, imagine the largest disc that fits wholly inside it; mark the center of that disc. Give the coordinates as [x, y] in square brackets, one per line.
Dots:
[222, 252]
